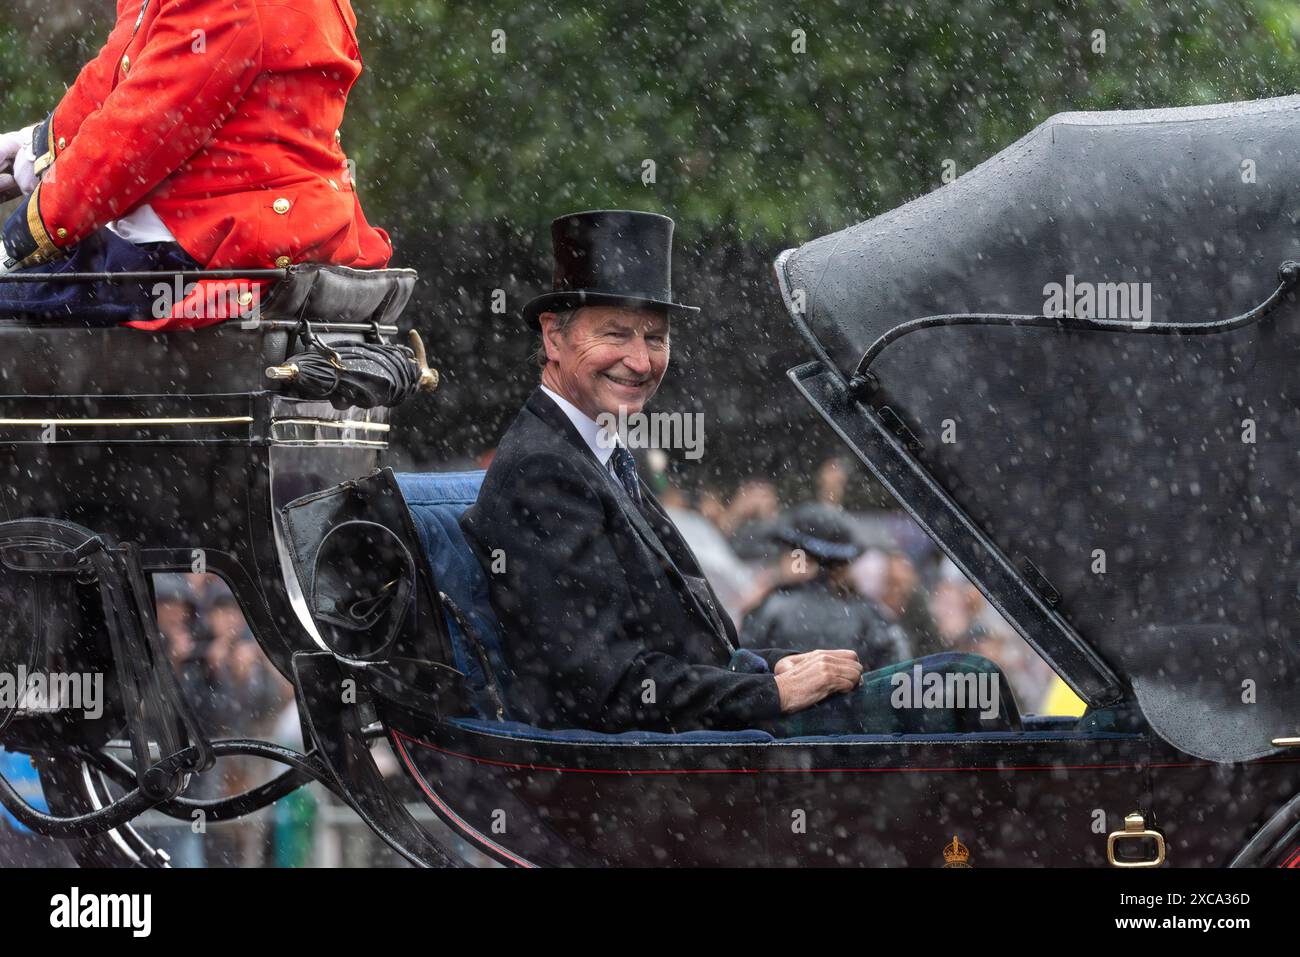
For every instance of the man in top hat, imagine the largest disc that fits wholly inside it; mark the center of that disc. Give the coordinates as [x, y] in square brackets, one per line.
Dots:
[205, 134]
[609, 622]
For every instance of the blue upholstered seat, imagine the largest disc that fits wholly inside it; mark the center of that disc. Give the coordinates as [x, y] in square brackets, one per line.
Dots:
[436, 501]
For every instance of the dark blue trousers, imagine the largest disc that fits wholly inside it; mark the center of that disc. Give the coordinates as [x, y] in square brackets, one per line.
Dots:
[99, 303]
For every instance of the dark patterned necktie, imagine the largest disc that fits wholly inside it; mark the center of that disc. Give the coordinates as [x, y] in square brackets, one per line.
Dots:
[625, 469]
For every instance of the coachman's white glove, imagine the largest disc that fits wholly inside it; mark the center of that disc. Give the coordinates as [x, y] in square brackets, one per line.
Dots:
[10, 144]
[17, 161]
[25, 163]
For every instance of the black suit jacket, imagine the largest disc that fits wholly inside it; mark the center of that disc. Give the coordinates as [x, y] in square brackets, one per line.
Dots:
[604, 628]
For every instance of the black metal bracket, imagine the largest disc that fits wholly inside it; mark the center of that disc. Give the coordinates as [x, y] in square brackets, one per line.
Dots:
[155, 712]
[334, 732]
[895, 424]
[1040, 582]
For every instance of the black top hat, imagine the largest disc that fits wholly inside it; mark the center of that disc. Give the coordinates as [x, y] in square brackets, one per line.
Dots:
[610, 257]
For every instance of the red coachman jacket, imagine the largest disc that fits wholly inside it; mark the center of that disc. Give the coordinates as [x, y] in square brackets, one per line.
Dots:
[224, 116]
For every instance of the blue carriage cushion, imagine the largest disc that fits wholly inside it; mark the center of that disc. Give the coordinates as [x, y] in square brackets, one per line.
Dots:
[436, 501]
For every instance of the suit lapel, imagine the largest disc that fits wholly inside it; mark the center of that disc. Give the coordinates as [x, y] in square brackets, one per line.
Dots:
[554, 416]
[551, 414]
[651, 538]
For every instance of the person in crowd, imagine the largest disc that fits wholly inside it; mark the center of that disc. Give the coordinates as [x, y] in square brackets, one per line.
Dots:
[904, 601]
[824, 608]
[832, 482]
[710, 504]
[738, 587]
[955, 604]
[755, 502]
[252, 692]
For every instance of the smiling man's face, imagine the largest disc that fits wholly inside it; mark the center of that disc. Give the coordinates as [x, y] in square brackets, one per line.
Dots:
[609, 357]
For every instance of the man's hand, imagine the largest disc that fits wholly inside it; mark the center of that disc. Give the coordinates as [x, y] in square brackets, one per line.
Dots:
[805, 679]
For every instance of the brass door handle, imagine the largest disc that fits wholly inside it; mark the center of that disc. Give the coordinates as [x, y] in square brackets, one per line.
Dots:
[1135, 828]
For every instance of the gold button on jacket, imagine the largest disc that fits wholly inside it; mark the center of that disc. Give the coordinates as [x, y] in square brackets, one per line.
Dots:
[284, 262]
[126, 64]
[281, 205]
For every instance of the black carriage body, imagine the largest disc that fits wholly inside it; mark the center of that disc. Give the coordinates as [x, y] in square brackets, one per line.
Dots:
[1039, 798]
[1051, 793]
[1074, 367]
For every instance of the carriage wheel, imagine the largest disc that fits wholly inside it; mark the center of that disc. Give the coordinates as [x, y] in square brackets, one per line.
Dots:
[73, 787]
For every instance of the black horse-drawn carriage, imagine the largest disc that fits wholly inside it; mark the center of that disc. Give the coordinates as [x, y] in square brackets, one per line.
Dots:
[1074, 368]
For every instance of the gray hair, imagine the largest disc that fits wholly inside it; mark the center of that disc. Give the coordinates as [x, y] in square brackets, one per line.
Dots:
[564, 319]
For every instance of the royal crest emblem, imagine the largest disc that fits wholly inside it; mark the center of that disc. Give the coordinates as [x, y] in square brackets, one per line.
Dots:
[956, 854]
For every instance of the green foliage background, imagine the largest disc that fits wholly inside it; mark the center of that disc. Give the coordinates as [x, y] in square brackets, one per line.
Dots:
[747, 135]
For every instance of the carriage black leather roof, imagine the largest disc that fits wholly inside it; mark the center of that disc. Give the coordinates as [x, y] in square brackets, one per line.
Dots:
[1151, 194]
[1148, 473]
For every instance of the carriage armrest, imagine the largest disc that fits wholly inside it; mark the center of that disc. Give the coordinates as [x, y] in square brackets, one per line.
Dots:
[339, 294]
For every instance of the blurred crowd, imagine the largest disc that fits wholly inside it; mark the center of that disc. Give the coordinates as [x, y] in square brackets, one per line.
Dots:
[235, 693]
[813, 574]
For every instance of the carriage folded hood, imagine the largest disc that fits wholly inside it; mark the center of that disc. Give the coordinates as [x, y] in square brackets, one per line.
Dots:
[1088, 347]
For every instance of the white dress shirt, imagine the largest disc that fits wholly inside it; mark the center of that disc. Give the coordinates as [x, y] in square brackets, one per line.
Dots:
[600, 441]
[142, 225]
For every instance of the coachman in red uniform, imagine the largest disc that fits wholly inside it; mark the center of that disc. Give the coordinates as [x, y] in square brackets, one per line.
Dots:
[205, 131]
